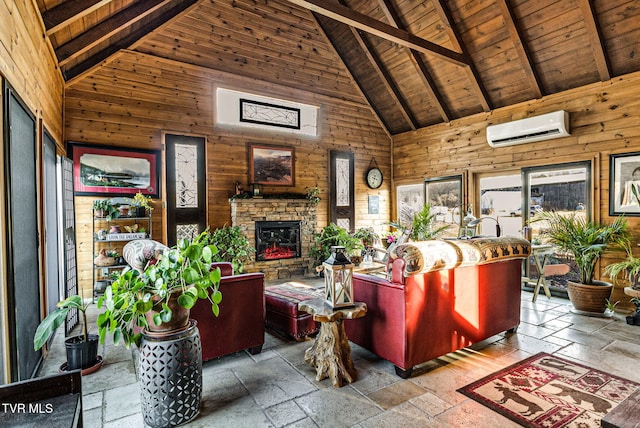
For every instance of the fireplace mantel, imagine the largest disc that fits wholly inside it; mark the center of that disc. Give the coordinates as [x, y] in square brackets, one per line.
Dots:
[246, 212]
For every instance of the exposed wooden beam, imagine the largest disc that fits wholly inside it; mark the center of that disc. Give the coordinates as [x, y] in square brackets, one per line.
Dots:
[372, 107]
[136, 37]
[521, 48]
[456, 39]
[106, 29]
[69, 12]
[384, 76]
[595, 34]
[421, 67]
[352, 18]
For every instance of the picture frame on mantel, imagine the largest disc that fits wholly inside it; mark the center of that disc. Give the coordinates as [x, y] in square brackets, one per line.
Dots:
[624, 172]
[271, 165]
[101, 170]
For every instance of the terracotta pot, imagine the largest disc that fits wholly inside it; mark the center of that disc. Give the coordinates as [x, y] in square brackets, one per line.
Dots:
[589, 298]
[179, 320]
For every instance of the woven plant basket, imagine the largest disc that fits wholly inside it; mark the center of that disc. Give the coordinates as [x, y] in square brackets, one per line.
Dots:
[589, 298]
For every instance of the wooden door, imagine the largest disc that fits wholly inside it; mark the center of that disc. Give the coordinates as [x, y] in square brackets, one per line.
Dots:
[186, 186]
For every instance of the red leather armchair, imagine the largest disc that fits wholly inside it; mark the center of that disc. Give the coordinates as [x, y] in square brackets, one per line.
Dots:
[240, 324]
[416, 318]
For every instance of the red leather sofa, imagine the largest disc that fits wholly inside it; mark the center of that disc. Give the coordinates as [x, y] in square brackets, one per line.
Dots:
[240, 324]
[442, 296]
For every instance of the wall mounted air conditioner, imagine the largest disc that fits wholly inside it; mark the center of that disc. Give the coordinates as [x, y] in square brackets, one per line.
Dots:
[538, 128]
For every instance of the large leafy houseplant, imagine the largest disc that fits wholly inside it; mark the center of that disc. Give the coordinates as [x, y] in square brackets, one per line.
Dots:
[232, 246]
[629, 268]
[82, 350]
[423, 225]
[57, 317]
[329, 236]
[585, 240]
[182, 273]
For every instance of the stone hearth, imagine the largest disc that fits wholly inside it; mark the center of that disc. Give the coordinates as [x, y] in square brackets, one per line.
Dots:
[245, 213]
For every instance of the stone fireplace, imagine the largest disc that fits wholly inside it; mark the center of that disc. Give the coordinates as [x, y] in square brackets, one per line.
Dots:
[285, 218]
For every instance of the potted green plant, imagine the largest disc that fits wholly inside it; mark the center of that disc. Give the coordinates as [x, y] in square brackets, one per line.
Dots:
[329, 236]
[366, 235]
[232, 247]
[159, 298]
[629, 268]
[586, 241]
[82, 350]
[423, 225]
[141, 203]
[104, 208]
[312, 194]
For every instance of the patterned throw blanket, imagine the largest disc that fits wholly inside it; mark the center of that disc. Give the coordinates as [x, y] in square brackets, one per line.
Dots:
[295, 292]
[427, 256]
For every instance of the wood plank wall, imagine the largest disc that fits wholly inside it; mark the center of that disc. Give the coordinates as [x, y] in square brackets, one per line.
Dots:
[604, 120]
[131, 100]
[27, 62]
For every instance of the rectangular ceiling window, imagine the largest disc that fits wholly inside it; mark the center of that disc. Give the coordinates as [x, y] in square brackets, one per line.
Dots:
[254, 111]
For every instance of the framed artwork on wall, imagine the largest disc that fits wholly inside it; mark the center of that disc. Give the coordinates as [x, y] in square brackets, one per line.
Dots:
[410, 200]
[624, 170]
[271, 165]
[259, 112]
[444, 195]
[114, 171]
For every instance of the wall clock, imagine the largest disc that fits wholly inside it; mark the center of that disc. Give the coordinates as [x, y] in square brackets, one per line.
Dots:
[374, 177]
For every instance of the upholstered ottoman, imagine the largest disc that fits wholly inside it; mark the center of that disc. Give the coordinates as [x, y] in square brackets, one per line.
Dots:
[282, 314]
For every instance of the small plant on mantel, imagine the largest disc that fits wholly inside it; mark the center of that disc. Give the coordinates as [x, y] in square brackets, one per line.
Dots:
[313, 194]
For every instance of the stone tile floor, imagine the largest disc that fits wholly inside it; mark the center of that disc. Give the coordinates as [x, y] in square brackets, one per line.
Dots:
[278, 389]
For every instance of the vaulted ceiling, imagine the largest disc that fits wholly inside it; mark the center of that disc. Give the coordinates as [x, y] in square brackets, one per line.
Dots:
[416, 63]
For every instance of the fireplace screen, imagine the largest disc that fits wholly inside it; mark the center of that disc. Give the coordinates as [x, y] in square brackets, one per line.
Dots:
[277, 240]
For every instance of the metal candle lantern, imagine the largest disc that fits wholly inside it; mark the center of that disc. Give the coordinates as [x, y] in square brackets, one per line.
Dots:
[338, 279]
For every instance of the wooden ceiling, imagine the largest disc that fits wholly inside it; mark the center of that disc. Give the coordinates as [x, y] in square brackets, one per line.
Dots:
[416, 63]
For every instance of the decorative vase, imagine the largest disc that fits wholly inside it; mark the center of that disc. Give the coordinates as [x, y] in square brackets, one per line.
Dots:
[590, 298]
[171, 377]
[103, 260]
[115, 229]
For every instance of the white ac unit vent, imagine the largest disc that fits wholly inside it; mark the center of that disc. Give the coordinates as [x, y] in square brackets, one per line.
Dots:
[538, 128]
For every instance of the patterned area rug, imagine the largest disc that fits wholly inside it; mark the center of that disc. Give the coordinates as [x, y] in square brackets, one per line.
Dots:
[550, 392]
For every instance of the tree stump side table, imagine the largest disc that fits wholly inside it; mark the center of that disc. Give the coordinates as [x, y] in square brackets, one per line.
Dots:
[330, 354]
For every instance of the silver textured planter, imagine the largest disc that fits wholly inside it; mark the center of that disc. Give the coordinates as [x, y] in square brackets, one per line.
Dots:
[171, 377]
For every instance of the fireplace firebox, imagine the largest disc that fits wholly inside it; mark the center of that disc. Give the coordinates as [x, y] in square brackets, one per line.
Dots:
[277, 240]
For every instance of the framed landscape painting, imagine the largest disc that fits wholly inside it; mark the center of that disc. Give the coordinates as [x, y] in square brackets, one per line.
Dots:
[114, 171]
[271, 165]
